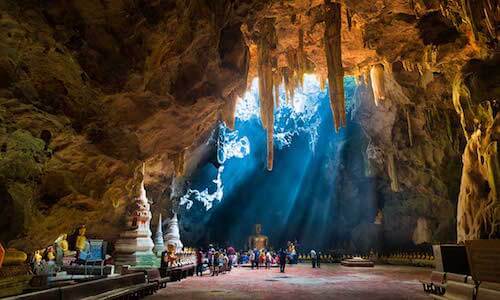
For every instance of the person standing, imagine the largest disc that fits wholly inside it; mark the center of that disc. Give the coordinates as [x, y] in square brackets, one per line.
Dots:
[313, 258]
[318, 260]
[269, 259]
[252, 258]
[199, 262]
[257, 258]
[210, 257]
[282, 259]
[215, 263]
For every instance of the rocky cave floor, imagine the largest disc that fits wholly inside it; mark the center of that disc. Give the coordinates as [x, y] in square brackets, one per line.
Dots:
[303, 282]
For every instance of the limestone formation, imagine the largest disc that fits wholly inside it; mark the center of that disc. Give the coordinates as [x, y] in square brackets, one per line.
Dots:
[264, 61]
[422, 233]
[334, 62]
[377, 79]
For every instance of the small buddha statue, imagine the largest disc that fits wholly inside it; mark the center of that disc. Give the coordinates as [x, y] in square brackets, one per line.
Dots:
[258, 240]
[81, 240]
[63, 242]
[50, 254]
[171, 258]
[37, 257]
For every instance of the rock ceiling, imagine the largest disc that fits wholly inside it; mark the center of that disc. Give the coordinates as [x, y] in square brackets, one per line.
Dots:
[90, 89]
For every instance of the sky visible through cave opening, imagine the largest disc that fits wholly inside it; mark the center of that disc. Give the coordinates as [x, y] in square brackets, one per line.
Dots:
[297, 199]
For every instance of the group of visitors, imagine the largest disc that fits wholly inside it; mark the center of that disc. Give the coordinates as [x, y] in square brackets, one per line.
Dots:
[217, 261]
[257, 258]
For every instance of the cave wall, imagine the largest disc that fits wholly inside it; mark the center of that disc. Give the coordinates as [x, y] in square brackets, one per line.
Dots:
[90, 90]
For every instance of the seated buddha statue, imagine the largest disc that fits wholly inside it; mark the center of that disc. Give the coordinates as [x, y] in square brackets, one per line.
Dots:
[171, 257]
[78, 242]
[258, 240]
[81, 239]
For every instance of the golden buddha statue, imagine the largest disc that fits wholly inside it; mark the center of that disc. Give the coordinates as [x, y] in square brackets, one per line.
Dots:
[63, 243]
[37, 257]
[14, 257]
[171, 257]
[258, 240]
[81, 241]
[50, 253]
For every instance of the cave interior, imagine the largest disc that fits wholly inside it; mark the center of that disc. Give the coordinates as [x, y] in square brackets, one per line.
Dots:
[356, 128]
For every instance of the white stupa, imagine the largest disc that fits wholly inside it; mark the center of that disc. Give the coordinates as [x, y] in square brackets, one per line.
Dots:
[172, 236]
[134, 247]
[159, 243]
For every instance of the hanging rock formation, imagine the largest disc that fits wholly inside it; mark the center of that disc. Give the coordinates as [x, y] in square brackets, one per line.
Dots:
[266, 44]
[377, 79]
[334, 62]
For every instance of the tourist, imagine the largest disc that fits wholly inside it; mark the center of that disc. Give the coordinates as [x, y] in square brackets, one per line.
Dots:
[215, 264]
[262, 257]
[282, 260]
[199, 262]
[210, 256]
[235, 259]
[231, 254]
[313, 258]
[225, 263]
[251, 257]
[257, 257]
[318, 260]
[269, 259]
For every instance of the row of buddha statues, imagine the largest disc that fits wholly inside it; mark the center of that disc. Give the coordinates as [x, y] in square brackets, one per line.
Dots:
[411, 258]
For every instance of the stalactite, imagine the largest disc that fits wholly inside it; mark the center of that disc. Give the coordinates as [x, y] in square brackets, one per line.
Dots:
[448, 127]
[322, 82]
[391, 169]
[266, 42]
[456, 93]
[179, 163]
[489, 19]
[293, 66]
[468, 9]
[228, 111]
[285, 71]
[333, 53]
[408, 122]
[301, 59]
[349, 19]
[276, 82]
[377, 78]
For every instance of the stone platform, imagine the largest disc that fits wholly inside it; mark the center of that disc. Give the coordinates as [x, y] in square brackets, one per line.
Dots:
[357, 262]
[331, 281]
[260, 266]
